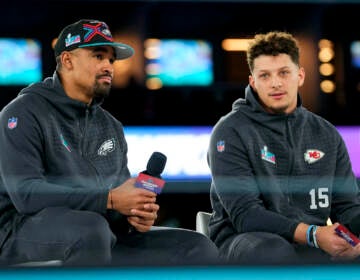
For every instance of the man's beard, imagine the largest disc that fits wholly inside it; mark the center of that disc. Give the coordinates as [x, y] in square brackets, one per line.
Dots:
[278, 110]
[101, 90]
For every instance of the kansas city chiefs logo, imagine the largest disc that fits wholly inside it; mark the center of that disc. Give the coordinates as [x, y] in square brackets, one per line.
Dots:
[312, 156]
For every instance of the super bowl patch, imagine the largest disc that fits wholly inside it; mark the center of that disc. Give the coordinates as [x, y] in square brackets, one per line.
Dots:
[267, 155]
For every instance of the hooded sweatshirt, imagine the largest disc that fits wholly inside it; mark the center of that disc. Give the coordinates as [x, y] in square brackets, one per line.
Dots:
[272, 171]
[57, 152]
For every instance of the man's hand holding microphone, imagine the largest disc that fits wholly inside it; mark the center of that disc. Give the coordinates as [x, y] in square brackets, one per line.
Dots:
[136, 197]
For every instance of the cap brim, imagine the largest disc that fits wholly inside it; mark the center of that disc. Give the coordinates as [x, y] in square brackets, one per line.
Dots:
[122, 51]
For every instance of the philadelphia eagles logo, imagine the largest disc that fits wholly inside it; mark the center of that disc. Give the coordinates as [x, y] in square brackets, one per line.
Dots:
[106, 147]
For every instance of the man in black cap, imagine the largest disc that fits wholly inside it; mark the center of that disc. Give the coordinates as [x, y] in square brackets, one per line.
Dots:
[65, 189]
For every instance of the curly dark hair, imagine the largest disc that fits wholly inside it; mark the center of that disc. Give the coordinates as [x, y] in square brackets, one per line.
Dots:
[273, 43]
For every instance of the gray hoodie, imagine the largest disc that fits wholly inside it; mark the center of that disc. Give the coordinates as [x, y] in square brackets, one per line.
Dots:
[56, 151]
[273, 171]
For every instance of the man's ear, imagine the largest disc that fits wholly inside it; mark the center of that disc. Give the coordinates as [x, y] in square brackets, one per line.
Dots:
[301, 76]
[251, 81]
[66, 60]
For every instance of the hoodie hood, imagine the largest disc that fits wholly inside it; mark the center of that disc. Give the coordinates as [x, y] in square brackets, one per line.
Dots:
[251, 107]
[52, 90]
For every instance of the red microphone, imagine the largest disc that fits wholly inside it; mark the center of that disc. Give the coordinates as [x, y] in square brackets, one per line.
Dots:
[150, 178]
[343, 232]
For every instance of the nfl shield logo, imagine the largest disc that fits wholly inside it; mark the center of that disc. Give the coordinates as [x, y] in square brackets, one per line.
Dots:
[220, 146]
[12, 122]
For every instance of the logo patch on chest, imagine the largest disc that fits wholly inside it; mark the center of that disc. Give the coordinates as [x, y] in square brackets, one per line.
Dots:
[106, 147]
[267, 155]
[65, 143]
[312, 156]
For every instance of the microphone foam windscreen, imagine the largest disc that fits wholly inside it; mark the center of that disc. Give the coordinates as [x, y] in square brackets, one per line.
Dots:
[156, 164]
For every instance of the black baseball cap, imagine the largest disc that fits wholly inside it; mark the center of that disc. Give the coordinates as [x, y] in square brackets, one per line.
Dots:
[90, 33]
